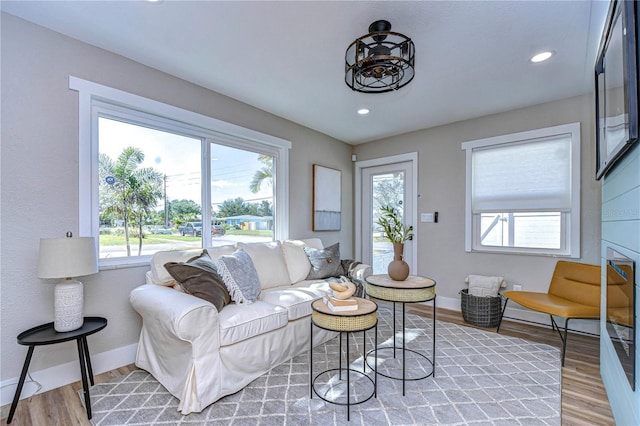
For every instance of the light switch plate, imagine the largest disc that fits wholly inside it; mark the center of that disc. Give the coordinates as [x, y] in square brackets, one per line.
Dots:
[427, 217]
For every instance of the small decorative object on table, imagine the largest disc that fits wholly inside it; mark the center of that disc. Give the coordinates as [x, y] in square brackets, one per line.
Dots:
[397, 232]
[341, 299]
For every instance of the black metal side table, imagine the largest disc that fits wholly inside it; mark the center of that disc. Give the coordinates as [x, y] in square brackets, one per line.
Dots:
[363, 319]
[46, 335]
[413, 289]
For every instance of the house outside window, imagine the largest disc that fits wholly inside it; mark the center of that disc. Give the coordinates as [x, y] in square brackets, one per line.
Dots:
[523, 192]
[151, 183]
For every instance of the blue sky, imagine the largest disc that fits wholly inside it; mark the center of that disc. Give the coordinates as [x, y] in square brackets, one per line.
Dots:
[179, 158]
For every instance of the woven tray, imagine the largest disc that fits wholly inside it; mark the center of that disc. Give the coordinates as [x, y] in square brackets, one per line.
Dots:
[480, 311]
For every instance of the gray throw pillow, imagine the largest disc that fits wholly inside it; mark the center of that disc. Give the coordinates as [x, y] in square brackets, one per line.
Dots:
[325, 263]
[198, 277]
[240, 276]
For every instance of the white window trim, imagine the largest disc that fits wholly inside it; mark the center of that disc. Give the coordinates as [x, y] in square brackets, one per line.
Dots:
[215, 130]
[572, 246]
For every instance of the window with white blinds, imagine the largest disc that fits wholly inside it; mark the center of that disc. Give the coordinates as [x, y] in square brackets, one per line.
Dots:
[523, 192]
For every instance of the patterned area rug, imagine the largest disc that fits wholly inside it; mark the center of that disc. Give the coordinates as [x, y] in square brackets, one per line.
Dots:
[481, 378]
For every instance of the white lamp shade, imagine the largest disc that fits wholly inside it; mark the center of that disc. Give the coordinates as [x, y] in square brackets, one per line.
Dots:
[67, 257]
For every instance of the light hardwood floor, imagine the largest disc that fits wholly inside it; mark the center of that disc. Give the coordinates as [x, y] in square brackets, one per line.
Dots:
[584, 400]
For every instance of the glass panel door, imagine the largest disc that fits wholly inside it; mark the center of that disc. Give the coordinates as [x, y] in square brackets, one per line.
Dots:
[387, 185]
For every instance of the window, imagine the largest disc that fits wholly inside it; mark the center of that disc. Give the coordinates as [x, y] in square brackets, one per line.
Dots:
[150, 183]
[523, 192]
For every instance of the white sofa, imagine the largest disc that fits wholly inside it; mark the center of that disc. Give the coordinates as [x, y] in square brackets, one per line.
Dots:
[200, 354]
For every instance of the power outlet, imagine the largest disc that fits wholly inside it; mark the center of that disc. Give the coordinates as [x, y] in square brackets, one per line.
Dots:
[517, 287]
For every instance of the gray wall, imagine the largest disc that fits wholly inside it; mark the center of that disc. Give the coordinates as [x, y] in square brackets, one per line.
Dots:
[39, 175]
[621, 231]
[441, 185]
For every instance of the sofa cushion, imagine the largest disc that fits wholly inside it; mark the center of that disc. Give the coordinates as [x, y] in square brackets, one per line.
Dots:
[199, 278]
[325, 263]
[296, 259]
[240, 322]
[315, 243]
[159, 274]
[296, 298]
[268, 260]
[216, 252]
[239, 276]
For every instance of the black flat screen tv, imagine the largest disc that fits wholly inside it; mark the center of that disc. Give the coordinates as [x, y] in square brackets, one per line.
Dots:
[616, 86]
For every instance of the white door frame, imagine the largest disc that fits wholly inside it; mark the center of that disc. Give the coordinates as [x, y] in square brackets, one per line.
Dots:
[410, 216]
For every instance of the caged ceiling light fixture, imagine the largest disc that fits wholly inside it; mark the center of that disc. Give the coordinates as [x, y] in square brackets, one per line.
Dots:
[380, 61]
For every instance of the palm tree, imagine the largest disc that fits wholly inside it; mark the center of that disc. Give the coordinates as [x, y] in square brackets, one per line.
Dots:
[264, 174]
[129, 192]
[148, 192]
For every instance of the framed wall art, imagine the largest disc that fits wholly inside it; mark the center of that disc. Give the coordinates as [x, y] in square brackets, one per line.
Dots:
[616, 86]
[327, 195]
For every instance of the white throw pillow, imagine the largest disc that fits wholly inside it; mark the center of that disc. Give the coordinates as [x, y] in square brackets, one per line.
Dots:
[482, 286]
[268, 260]
[296, 259]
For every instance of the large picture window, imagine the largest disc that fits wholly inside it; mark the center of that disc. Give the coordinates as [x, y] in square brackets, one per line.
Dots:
[150, 183]
[523, 192]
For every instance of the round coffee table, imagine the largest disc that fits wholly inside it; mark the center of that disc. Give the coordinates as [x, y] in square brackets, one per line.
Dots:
[362, 319]
[413, 289]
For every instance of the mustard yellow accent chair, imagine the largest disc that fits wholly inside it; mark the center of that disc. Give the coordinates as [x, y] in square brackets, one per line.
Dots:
[574, 293]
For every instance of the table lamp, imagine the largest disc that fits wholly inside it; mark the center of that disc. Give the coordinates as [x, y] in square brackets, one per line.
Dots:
[68, 258]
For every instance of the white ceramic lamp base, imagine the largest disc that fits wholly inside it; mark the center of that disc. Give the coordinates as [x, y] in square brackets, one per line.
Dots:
[69, 309]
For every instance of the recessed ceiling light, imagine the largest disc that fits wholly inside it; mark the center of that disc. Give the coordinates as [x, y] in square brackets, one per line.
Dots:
[542, 56]
[363, 111]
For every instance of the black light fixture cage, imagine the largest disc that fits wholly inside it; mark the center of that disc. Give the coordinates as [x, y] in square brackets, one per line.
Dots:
[380, 61]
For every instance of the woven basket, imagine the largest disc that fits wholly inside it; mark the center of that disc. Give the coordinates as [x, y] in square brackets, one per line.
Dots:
[480, 311]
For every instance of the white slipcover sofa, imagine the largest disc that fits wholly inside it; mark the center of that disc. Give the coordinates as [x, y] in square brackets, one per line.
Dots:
[200, 354]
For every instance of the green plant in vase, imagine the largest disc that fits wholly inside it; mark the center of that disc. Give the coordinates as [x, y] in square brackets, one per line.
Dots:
[390, 222]
[397, 232]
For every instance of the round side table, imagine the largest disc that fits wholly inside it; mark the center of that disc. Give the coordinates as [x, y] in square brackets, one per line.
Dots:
[46, 335]
[413, 289]
[363, 319]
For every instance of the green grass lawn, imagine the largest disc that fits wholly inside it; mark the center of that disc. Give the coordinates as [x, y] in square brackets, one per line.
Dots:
[149, 239]
[119, 240]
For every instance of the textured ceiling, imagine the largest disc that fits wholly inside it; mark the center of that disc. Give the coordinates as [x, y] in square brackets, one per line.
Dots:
[288, 57]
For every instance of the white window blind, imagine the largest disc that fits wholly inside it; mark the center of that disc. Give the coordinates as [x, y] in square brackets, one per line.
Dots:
[525, 176]
[522, 192]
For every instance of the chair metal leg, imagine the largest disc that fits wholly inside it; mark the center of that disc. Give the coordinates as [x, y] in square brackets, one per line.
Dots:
[563, 337]
[564, 341]
[502, 314]
[554, 326]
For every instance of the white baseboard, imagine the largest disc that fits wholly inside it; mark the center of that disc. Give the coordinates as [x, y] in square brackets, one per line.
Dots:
[63, 374]
[513, 313]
